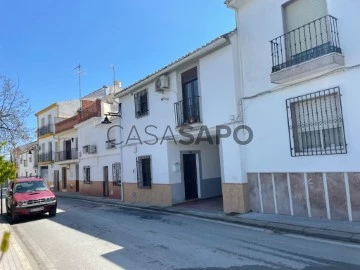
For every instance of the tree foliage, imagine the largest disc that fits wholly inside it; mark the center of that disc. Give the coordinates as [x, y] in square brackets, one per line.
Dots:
[7, 168]
[14, 109]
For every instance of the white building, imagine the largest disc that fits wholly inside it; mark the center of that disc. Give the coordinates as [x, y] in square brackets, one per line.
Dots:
[25, 159]
[99, 152]
[195, 91]
[46, 130]
[299, 95]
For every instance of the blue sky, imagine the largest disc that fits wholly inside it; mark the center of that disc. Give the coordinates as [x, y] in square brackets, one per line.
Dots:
[42, 41]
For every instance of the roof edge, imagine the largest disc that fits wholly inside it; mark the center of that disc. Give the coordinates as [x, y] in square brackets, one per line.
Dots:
[214, 44]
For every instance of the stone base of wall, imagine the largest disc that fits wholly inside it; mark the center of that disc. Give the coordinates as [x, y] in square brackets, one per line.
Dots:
[235, 197]
[318, 195]
[158, 194]
[71, 186]
[96, 188]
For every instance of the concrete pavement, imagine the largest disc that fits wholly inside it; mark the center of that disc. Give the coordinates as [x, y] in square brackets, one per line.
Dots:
[15, 258]
[329, 229]
[93, 235]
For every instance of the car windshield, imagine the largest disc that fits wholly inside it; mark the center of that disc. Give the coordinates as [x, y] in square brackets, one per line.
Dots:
[31, 186]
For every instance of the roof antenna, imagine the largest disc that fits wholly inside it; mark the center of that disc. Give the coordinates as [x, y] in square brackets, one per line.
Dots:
[79, 73]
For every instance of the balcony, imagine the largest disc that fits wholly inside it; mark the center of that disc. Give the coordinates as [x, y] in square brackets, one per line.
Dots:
[308, 50]
[47, 129]
[66, 155]
[187, 111]
[46, 157]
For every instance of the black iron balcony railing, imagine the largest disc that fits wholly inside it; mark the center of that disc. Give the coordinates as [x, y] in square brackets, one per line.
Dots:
[45, 129]
[66, 155]
[187, 111]
[312, 40]
[46, 157]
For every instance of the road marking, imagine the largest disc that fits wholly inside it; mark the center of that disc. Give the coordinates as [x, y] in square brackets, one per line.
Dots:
[335, 242]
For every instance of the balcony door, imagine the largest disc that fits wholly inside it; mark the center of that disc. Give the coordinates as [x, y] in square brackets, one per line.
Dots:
[306, 27]
[190, 93]
[68, 149]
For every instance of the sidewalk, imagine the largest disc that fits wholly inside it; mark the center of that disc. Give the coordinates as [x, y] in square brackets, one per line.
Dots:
[329, 229]
[14, 259]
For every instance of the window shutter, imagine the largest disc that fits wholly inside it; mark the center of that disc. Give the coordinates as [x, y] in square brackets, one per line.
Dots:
[139, 171]
[301, 12]
[318, 113]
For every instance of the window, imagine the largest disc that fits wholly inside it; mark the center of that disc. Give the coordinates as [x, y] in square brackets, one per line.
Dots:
[116, 172]
[30, 159]
[141, 103]
[87, 175]
[316, 124]
[143, 165]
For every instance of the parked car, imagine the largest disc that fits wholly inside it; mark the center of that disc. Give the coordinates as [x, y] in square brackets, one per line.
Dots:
[28, 196]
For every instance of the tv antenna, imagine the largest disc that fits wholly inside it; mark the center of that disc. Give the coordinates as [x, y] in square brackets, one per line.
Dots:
[79, 73]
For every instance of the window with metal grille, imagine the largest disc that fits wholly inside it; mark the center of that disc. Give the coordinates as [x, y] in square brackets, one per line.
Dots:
[141, 103]
[316, 124]
[87, 175]
[116, 172]
[143, 165]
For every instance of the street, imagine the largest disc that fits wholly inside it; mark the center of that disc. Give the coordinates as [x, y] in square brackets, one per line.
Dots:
[87, 235]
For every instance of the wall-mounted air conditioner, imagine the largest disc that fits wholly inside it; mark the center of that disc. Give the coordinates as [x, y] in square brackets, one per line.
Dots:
[162, 83]
[92, 149]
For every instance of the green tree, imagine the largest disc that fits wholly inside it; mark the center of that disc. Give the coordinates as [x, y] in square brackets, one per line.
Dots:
[7, 168]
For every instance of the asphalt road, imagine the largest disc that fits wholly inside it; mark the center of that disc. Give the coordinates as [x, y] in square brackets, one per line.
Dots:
[87, 235]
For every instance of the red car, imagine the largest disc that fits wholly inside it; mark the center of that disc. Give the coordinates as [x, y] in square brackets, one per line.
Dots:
[27, 196]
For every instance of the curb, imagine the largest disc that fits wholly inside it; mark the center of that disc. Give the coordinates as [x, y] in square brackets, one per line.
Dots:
[273, 226]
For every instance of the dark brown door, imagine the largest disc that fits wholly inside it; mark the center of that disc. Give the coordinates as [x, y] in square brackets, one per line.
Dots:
[77, 181]
[106, 181]
[190, 176]
[64, 178]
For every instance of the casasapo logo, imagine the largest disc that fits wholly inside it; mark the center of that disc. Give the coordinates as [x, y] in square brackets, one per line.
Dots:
[241, 134]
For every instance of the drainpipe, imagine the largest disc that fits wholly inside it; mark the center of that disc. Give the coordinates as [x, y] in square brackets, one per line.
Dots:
[121, 165]
[239, 92]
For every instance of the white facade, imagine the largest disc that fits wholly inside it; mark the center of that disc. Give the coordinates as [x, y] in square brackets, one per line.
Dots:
[216, 90]
[46, 119]
[104, 138]
[317, 185]
[25, 159]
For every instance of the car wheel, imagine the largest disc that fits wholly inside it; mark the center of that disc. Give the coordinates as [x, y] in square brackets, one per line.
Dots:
[52, 212]
[13, 217]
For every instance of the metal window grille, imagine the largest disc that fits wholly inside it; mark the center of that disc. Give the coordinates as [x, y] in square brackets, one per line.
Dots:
[143, 165]
[141, 103]
[87, 175]
[316, 125]
[116, 172]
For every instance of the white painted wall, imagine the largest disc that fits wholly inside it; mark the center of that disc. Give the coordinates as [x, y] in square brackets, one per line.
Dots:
[258, 23]
[30, 169]
[91, 132]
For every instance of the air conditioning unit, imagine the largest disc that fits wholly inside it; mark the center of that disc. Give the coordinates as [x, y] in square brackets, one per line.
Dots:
[92, 149]
[162, 83]
[86, 148]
